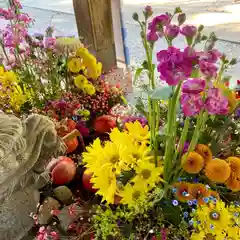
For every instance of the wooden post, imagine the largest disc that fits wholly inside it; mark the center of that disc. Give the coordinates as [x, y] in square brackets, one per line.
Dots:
[94, 22]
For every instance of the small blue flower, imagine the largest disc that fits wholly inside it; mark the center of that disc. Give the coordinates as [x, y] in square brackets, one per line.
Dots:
[193, 210]
[179, 179]
[184, 194]
[174, 190]
[198, 222]
[211, 198]
[211, 226]
[195, 180]
[191, 222]
[190, 203]
[175, 202]
[195, 202]
[185, 214]
[236, 214]
[206, 199]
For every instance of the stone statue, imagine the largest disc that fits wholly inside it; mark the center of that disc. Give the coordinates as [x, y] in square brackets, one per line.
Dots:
[26, 146]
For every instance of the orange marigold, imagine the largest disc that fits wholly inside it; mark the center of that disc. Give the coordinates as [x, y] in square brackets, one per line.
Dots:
[199, 192]
[233, 184]
[205, 152]
[234, 163]
[218, 170]
[193, 163]
[182, 191]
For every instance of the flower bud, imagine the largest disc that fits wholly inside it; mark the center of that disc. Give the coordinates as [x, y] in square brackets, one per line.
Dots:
[200, 28]
[233, 61]
[148, 11]
[178, 10]
[181, 18]
[204, 38]
[135, 16]
[171, 31]
[152, 36]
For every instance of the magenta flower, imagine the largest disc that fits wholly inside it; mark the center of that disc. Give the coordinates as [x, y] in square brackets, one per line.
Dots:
[158, 22]
[189, 53]
[194, 85]
[211, 56]
[171, 31]
[173, 67]
[191, 104]
[23, 17]
[216, 103]
[7, 14]
[133, 119]
[148, 10]
[152, 36]
[188, 30]
[208, 69]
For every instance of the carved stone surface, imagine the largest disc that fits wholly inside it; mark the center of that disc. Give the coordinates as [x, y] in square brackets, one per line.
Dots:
[25, 149]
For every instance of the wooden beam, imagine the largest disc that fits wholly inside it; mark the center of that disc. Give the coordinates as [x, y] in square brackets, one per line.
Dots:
[94, 22]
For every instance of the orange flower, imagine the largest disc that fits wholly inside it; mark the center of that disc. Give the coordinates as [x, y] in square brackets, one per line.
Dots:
[193, 163]
[218, 170]
[234, 163]
[182, 191]
[199, 192]
[205, 152]
[233, 184]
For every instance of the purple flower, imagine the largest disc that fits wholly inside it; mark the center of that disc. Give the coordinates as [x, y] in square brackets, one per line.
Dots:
[191, 104]
[189, 53]
[194, 85]
[216, 103]
[208, 69]
[213, 55]
[158, 22]
[188, 30]
[171, 31]
[238, 112]
[173, 66]
[152, 36]
[62, 104]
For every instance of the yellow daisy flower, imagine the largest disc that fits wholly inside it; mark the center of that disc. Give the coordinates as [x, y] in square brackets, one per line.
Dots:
[82, 52]
[137, 131]
[80, 81]
[1, 70]
[75, 65]
[133, 193]
[148, 174]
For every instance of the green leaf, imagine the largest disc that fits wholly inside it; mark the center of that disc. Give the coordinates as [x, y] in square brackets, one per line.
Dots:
[137, 74]
[172, 214]
[162, 93]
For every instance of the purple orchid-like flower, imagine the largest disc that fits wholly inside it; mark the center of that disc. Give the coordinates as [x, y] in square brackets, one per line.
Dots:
[193, 85]
[133, 119]
[191, 104]
[188, 31]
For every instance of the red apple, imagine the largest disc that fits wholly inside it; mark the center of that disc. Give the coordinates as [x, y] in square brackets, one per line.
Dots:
[86, 179]
[104, 124]
[64, 171]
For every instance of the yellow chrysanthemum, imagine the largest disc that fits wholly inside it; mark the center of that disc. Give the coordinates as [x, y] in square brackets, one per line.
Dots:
[89, 60]
[1, 70]
[192, 163]
[205, 152]
[233, 233]
[75, 65]
[234, 163]
[89, 89]
[80, 81]
[137, 131]
[147, 174]
[133, 193]
[218, 170]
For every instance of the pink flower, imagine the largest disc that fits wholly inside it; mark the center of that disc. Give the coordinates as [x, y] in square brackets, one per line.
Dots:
[188, 30]
[194, 85]
[208, 69]
[7, 14]
[171, 54]
[23, 17]
[216, 103]
[152, 36]
[49, 42]
[189, 53]
[211, 56]
[158, 22]
[171, 31]
[191, 104]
